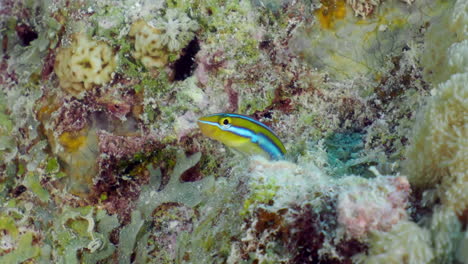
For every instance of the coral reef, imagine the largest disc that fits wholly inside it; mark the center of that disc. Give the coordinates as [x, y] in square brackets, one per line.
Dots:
[160, 41]
[437, 156]
[406, 242]
[101, 160]
[378, 206]
[84, 64]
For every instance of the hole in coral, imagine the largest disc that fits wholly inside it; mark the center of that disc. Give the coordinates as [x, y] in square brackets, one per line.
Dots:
[185, 65]
[85, 64]
[19, 190]
[26, 34]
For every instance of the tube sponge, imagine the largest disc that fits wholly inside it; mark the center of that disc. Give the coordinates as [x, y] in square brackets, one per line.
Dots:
[85, 63]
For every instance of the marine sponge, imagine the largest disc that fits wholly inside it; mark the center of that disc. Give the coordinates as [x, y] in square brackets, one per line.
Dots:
[148, 47]
[437, 157]
[375, 204]
[405, 243]
[438, 153]
[84, 63]
[155, 42]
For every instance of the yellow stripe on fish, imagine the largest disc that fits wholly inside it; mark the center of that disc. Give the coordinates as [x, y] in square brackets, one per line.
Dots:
[242, 133]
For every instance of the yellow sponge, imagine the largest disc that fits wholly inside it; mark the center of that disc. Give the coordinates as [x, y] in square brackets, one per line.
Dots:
[84, 63]
[148, 46]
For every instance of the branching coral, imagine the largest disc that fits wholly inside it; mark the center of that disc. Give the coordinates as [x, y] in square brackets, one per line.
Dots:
[363, 8]
[85, 63]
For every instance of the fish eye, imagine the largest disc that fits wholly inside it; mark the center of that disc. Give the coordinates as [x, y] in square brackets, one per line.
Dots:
[225, 122]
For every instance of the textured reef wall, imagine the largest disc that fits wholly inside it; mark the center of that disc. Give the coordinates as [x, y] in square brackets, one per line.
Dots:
[101, 159]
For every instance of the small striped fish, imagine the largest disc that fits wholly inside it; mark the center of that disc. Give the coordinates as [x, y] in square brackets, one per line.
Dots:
[242, 133]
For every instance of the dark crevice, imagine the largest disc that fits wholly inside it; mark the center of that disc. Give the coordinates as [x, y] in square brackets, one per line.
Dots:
[26, 34]
[185, 65]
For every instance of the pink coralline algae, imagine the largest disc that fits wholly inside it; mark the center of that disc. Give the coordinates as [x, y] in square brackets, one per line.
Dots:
[377, 204]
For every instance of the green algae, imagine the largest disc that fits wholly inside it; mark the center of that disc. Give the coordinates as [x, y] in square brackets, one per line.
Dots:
[32, 181]
[83, 231]
[24, 252]
[175, 191]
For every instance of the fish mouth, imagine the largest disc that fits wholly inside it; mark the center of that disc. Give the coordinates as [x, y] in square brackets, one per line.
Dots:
[207, 128]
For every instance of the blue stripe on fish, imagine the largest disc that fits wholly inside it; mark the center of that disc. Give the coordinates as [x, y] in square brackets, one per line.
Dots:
[259, 139]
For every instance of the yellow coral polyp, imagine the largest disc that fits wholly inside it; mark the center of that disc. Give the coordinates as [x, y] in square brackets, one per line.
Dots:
[330, 11]
[72, 141]
[84, 63]
[148, 47]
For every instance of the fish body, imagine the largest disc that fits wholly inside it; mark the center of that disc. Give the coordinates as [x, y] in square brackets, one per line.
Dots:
[242, 133]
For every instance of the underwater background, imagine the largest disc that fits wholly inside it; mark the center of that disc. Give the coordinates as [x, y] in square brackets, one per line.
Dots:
[102, 160]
